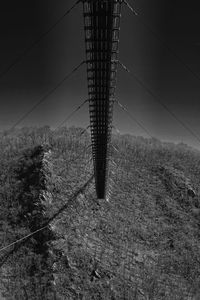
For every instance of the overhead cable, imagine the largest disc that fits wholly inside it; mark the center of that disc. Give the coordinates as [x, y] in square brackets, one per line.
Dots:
[157, 99]
[130, 7]
[70, 115]
[133, 118]
[47, 95]
[25, 237]
[85, 130]
[116, 129]
[63, 208]
[36, 42]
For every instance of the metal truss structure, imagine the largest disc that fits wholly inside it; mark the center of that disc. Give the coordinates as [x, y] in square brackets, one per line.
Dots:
[102, 27]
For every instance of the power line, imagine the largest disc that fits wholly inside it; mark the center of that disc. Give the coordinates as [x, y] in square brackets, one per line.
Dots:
[36, 42]
[116, 129]
[85, 130]
[70, 115]
[157, 99]
[64, 207]
[130, 7]
[133, 118]
[162, 41]
[81, 190]
[25, 237]
[76, 158]
[46, 96]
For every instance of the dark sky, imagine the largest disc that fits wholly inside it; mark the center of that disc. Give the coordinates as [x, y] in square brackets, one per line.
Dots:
[160, 53]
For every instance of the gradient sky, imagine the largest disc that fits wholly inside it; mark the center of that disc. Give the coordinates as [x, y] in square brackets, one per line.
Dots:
[176, 26]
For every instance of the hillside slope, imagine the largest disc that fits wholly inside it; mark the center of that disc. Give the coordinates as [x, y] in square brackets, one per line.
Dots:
[140, 243]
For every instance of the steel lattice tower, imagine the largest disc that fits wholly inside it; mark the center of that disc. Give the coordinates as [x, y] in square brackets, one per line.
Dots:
[102, 26]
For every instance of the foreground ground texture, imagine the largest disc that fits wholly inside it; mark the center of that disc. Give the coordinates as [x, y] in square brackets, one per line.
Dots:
[142, 242]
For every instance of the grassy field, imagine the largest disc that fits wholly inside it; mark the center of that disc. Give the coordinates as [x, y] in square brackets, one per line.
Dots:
[142, 242]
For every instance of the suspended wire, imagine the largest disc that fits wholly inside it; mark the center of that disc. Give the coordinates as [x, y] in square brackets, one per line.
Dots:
[130, 7]
[76, 194]
[4, 259]
[85, 149]
[79, 135]
[157, 99]
[115, 148]
[25, 237]
[64, 207]
[36, 42]
[85, 130]
[71, 115]
[76, 158]
[46, 96]
[162, 41]
[133, 118]
[116, 129]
